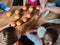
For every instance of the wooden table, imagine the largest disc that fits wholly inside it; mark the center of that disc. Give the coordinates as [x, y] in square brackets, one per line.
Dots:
[4, 20]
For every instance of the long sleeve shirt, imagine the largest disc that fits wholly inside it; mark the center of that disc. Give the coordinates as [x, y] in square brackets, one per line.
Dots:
[36, 40]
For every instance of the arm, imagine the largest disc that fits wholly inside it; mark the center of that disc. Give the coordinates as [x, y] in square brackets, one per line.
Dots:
[24, 2]
[33, 30]
[43, 3]
[53, 9]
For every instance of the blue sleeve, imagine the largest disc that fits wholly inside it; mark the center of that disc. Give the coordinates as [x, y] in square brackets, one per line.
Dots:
[58, 3]
[34, 39]
[3, 6]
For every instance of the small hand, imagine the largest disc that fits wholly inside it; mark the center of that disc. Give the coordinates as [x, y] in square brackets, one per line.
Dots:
[42, 11]
[43, 3]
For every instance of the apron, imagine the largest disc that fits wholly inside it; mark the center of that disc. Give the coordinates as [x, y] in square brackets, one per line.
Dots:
[33, 2]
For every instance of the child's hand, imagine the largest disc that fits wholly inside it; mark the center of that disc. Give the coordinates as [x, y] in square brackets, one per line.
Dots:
[30, 31]
[50, 43]
[42, 10]
[24, 2]
[43, 3]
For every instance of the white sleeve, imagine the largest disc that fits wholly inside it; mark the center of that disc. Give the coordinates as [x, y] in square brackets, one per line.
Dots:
[41, 31]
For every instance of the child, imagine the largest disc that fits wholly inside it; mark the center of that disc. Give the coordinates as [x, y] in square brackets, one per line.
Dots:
[42, 3]
[49, 35]
[8, 36]
[31, 2]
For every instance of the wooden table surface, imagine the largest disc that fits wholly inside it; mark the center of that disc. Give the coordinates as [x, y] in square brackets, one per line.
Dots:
[4, 19]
